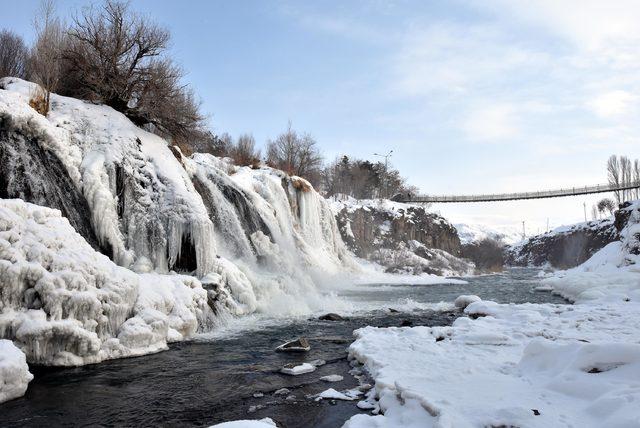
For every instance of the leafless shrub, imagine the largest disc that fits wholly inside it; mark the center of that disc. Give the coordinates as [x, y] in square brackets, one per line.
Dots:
[45, 65]
[295, 154]
[39, 100]
[13, 55]
[245, 153]
[116, 57]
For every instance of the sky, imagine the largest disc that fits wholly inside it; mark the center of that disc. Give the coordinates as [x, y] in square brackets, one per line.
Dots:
[477, 96]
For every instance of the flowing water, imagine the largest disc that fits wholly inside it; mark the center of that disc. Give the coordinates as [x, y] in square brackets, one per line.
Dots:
[214, 378]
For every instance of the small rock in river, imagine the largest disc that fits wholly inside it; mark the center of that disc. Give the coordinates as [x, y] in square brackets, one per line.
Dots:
[298, 345]
[281, 391]
[406, 323]
[331, 317]
[258, 395]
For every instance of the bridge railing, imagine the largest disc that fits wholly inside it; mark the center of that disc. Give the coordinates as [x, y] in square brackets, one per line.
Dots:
[598, 188]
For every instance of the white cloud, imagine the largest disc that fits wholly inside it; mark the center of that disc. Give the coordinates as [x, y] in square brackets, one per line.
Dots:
[612, 103]
[491, 123]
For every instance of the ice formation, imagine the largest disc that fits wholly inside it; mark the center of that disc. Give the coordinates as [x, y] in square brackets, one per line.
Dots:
[245, 239]
[63, 303]
[14, 372]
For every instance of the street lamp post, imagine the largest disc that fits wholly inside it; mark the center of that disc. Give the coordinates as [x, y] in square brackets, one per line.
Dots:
[386, 168]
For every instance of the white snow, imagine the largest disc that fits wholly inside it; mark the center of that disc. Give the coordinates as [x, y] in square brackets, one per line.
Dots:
[529, 365]
[247, 423]
[14, 371]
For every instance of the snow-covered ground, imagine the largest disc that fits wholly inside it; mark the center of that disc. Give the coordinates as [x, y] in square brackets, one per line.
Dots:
[14, 372]
[529, 365]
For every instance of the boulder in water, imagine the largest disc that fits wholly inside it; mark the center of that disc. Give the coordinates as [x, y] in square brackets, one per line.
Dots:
[298, 345]
[331, 317]
[463, 301]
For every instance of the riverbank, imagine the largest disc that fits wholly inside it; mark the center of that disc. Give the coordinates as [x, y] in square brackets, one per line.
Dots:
[214, 378]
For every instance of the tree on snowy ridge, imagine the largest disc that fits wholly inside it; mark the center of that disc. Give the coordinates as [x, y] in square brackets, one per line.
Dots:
[13, 55]
[45, 66]
[621, 172]
[296, 155]
[116, 57]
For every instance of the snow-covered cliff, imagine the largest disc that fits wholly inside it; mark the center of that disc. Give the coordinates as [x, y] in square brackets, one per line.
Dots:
[242, 239]
[564, 247]
[402, 237]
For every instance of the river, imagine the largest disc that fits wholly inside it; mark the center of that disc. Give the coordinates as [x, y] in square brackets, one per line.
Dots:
[214, 378]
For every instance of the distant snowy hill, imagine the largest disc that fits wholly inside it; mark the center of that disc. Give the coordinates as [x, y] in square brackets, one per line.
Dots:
[470, 233]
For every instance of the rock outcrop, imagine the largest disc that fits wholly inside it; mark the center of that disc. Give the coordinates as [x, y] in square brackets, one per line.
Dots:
[565, 247]
[404, 238]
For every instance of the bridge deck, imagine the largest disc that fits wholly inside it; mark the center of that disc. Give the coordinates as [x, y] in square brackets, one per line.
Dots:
[574, 191]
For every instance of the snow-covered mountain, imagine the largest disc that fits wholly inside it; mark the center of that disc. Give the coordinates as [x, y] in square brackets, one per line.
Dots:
[473, 233]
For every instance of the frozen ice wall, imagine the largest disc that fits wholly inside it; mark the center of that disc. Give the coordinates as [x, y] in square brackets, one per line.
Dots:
[63, 303]
[121, 180]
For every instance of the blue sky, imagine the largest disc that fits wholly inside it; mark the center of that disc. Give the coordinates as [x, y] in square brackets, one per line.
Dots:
[474, 96]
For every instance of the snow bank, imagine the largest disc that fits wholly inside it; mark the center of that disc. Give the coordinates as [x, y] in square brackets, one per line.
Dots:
[533, 365]
[496, 370]
[247, 423]
[14, 372]
[611, 274]
[63, 303]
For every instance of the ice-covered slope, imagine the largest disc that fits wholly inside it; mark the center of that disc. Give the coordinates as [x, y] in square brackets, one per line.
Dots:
[141, 204]
[148, 207]
[247, 239]
[63, 303]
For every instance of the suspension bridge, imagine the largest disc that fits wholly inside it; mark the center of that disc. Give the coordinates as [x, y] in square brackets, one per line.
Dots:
[496, 197]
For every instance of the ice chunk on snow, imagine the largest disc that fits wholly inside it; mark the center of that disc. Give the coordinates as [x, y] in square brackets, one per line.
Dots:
[335, 395]
[295, 370]
[14, 372]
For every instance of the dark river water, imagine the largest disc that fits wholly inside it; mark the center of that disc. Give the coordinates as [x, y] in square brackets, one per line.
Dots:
[214, 379]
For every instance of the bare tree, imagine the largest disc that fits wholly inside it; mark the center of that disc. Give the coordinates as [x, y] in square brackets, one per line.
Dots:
[245, 152]
[13, 55]
[296, 155]
[636, 178]
[606, 206]
[45, 65]
[614, 176]
[119, 58]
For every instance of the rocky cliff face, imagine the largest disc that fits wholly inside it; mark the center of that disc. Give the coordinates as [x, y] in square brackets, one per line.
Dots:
[565, 247]
[401, 237]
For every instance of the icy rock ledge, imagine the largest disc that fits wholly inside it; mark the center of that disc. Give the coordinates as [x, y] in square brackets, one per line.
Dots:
[14, 371]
